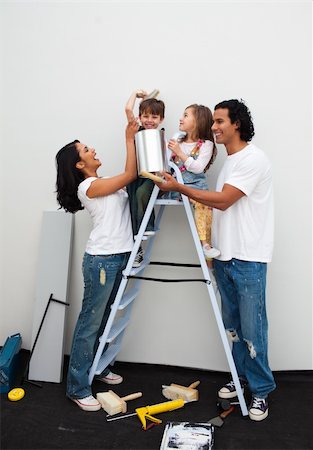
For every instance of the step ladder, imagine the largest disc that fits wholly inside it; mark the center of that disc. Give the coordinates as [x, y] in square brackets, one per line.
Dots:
[111, 340]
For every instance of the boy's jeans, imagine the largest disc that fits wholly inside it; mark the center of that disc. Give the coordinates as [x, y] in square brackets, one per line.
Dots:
[102, 277]
[242, 288]
[139, 192]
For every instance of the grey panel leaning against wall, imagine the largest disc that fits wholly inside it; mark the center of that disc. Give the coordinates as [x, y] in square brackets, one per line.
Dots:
[46, 362]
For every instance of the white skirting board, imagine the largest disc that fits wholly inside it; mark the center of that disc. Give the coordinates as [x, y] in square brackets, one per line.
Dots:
[46, 363]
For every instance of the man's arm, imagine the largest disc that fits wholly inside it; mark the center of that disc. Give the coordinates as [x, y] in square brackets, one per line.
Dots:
[219, 200]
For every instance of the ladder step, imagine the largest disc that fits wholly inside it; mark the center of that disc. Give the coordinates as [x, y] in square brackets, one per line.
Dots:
[107, 357]
[117, 328]
[128, 297]
[145, 237]
[167, 201]
[135, 270]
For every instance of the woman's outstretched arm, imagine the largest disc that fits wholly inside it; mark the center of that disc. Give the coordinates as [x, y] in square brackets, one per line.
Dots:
[107, 186]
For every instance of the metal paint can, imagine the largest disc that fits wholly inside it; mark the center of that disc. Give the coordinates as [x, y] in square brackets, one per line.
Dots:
[151, 151]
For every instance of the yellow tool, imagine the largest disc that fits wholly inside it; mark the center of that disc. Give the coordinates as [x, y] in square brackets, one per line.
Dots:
[16, 394]
[146, 412]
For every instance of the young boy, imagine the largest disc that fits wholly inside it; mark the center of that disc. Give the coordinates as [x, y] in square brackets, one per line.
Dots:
[151, 115]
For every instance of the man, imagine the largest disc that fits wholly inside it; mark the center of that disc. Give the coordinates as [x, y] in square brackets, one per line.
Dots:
[243, 223]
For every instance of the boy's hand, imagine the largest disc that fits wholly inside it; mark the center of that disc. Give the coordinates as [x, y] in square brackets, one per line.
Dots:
[169, 183]
[131, 129]
[141, 93]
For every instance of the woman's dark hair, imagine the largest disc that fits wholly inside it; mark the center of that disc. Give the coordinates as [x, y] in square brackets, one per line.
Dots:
[68, 178]
[204, 122]
[239, 112]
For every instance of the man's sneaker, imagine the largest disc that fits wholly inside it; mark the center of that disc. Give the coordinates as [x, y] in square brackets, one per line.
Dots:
[87, 403]
[229, 390]
[111, 378]
[258, 409]
[138, 258]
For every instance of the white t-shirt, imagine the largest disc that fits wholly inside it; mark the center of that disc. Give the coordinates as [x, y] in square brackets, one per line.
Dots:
[112, 231]
[245, 230]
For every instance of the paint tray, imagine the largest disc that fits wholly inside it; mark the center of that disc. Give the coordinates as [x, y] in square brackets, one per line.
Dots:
[188, 435]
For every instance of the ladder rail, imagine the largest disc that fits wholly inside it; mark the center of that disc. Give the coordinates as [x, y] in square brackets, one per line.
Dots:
[214, 303]
[105, 334]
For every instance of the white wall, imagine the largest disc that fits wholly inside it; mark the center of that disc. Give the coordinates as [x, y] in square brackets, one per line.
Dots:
[67, 71]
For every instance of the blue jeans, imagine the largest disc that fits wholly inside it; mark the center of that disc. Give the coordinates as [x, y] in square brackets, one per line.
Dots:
[102, 277]
[242, 287]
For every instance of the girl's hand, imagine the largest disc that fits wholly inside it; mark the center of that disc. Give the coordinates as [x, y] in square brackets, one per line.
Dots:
[131, 129]
[175, 147]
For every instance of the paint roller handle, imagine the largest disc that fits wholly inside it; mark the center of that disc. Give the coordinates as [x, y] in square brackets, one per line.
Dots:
[152, 177]
[152, 94]
[165, 406]
[131, 396]
[194, 384]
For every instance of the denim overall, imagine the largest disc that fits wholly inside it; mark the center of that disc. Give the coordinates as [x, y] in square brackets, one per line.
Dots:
[195, 180]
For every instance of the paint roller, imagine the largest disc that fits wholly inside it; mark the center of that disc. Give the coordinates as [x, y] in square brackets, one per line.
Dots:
[152, 177]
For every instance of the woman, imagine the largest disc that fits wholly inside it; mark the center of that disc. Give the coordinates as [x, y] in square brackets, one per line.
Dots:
[109, 245]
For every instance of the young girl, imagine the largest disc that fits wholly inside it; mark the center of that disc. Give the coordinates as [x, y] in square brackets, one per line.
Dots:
[109, 245]
[194, 153]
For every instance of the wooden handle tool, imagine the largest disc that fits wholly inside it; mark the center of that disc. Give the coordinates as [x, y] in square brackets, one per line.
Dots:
[113, 404]
[152, 177]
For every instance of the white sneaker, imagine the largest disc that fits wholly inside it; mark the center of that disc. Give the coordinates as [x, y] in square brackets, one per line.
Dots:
[258, 409]
[111, 378]
[229, 389]
[87, 403]
[210, 252]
